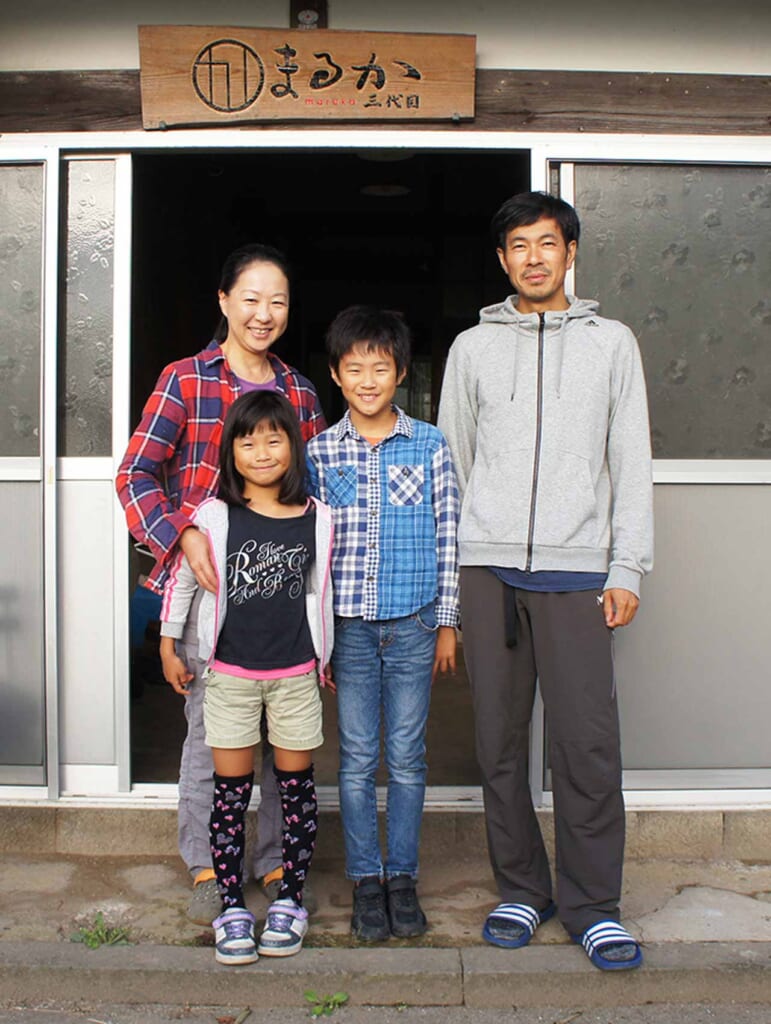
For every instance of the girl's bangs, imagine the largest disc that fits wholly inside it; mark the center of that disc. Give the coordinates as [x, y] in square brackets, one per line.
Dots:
[249, 423]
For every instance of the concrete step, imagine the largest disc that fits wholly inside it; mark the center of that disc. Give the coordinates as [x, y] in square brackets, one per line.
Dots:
[717, 973]
[711, 835]
[704, 919]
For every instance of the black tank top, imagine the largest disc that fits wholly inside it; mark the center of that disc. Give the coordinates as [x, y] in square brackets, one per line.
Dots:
[267, 564]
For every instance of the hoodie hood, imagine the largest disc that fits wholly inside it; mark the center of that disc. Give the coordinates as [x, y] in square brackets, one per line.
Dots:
[506, 312]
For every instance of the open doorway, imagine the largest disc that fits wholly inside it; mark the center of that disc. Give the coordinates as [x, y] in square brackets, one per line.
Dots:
[396, 228]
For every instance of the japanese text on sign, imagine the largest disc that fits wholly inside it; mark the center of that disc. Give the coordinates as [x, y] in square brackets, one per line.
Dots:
[195, 75]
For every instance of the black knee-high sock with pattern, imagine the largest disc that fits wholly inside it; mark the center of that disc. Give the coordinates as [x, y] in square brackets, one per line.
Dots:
[226, 835]
[298, 802]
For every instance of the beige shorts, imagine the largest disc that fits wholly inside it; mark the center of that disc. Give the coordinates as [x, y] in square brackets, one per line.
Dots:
[232, 709]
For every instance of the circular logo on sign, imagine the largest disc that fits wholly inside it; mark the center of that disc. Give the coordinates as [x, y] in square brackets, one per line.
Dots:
[228, 75]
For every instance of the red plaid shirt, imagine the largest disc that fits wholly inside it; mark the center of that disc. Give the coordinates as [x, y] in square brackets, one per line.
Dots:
[171, 464]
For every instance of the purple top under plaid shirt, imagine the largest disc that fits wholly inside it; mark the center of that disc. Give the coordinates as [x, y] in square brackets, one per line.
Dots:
[395, 510]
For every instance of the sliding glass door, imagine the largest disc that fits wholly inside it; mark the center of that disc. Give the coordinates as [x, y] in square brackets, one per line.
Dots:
[27, 493]
[681, 251]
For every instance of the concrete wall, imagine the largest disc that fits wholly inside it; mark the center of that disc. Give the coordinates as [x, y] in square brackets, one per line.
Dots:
[699, 36]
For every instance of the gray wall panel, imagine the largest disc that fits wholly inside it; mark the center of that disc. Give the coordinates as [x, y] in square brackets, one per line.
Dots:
[22, 697]
[693, 669]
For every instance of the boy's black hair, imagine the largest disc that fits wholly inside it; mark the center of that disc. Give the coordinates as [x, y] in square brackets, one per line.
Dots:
[379, 329]
[528, 207]
[246, 413]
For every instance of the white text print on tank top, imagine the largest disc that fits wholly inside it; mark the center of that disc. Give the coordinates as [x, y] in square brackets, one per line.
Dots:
[265, 570]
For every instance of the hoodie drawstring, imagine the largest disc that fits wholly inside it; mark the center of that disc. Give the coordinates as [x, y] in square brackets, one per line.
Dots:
[559, 355]
[514, 362]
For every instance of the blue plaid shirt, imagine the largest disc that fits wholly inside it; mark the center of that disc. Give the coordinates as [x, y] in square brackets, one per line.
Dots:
[395, 510]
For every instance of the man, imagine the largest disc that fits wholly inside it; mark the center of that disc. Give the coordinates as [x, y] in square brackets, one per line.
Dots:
[544, 408]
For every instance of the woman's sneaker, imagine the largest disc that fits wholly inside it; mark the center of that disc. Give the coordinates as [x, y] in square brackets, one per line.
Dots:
[285, 929]
[205, 902]
[234, 937]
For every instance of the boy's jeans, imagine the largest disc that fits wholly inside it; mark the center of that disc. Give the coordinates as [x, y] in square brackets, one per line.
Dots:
[385, 664]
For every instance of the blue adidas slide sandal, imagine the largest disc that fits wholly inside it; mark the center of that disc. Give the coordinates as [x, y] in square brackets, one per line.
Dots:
[512, 925]
[601, 942]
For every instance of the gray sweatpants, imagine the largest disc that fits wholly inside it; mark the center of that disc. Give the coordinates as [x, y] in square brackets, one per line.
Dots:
[196, 786]
[562, 640]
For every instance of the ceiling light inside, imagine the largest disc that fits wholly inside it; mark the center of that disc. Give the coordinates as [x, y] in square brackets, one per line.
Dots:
[385, 191]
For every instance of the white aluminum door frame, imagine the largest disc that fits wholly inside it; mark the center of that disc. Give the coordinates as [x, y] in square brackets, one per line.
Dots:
[43, 467]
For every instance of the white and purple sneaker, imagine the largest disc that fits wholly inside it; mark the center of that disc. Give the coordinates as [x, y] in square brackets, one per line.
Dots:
[285, 929]
[234, 937]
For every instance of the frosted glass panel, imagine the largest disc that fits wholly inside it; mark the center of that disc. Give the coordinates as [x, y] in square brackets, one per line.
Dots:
[21, 237]
[683, 255]
[85, 370]
[22, 720]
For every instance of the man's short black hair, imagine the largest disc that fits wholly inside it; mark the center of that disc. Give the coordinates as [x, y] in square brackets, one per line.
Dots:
[379, 329]
[528, 207]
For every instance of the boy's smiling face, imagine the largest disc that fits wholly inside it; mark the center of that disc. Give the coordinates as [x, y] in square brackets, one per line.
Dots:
[368, 379]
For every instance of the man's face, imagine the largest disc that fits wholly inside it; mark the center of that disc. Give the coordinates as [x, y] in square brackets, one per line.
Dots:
[535, 259]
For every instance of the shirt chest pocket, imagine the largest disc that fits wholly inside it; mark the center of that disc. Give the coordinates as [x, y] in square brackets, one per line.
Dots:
[406, 485]
[341, 486]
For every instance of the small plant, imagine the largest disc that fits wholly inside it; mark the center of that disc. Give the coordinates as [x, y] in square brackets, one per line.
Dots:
[99, 934]
[325, 1006]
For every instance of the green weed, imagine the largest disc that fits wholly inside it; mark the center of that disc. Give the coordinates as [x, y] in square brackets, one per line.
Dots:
[325, 1006]
[99, 934]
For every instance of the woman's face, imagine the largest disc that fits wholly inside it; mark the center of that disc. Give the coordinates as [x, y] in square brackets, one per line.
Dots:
[256, 307]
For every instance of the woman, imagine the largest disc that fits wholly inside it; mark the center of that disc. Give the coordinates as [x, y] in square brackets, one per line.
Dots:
[171, 465]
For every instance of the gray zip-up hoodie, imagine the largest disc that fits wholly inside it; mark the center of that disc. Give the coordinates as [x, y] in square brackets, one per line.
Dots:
[547, 421]
[211, 517]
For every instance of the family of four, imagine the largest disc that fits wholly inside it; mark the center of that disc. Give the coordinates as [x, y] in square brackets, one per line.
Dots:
[291, 555]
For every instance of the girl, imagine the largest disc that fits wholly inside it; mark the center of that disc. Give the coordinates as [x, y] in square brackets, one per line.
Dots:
[170, 467]
[262, 634]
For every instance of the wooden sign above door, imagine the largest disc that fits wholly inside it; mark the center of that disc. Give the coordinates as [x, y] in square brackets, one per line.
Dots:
[202, 75]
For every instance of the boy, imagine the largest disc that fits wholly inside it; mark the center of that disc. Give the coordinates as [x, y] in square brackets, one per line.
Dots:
[391, 485]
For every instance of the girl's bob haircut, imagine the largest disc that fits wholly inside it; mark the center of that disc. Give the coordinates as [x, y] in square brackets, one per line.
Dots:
[276, 413]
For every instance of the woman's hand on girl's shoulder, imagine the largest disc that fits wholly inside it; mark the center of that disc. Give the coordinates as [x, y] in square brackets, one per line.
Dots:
[195, 546]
